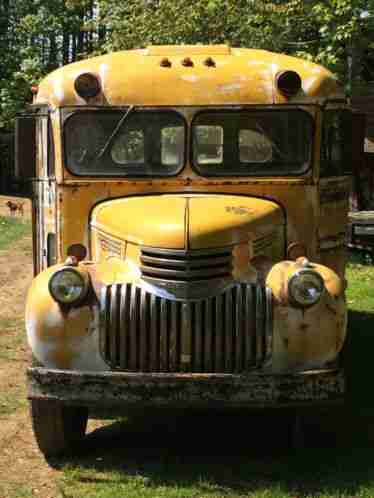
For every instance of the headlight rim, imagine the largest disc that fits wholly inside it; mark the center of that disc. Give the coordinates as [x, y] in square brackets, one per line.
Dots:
[85, 286]
[296, 275]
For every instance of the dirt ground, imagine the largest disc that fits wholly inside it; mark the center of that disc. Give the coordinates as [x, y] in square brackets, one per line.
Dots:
[23, 471]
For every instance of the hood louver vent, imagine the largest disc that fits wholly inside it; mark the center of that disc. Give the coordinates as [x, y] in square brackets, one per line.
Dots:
[185, 266]
[110, 246]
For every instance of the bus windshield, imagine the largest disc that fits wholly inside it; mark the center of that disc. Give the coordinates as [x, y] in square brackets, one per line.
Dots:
[153, 142]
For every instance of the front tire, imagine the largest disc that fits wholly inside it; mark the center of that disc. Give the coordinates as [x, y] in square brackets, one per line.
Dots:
[57, 428]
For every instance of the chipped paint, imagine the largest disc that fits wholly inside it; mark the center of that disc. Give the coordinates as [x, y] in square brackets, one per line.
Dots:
[306, 337]
[172, 87]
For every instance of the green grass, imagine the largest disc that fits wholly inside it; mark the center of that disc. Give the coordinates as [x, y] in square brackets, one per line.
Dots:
[16, 491]
[12, 341]
[11, 230]
[12, 338]
[241, 455]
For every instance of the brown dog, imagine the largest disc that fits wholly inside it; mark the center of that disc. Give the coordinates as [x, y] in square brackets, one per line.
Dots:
[14, 207]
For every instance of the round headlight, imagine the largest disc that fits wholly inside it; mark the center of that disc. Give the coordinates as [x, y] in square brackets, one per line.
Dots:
[67, 286]
[305, 287]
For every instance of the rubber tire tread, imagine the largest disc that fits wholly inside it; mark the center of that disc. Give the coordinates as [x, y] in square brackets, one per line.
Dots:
[57, 428]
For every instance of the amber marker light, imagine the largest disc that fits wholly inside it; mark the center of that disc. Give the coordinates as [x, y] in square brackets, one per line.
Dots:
[87, 85]
[295, 250]
[288, 83]
[78, 251]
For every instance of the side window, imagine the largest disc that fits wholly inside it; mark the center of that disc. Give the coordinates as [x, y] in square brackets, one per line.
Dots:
[336, 144]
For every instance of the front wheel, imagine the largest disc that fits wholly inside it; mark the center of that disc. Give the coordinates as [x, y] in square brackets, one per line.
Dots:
[58, 428]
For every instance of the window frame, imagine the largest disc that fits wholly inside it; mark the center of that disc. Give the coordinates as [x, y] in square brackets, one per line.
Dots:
[121, 111]
[256, 174]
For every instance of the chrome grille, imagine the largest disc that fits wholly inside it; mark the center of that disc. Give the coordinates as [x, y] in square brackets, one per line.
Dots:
[140, 331]
[185, 266]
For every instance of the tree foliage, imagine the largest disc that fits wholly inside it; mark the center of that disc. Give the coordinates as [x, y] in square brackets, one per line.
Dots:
[37, 36]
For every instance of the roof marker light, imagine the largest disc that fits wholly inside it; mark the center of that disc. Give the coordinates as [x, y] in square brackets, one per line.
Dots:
[87, 85]
[165, 62]
[187, 62]
[209, 62]
[288, 83]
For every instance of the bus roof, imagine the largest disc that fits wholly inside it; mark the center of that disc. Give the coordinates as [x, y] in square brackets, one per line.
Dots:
[142, 77]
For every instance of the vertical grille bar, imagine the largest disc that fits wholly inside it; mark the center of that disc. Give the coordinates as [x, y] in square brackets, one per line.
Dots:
[134, 317]
[174, 337]
[113, 322]
[104, 319]
[269, 324]
[186, 339]
[154, 334]
[228, 331]
[164, 353]
[219, 313]
[124, 320]
[144, 327]
[259, 326]
[208, 360]
[198, 337]
[250, 331]
[239, 325]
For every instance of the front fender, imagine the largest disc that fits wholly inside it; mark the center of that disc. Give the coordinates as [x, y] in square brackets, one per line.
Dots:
[306, 338]
[63, 338]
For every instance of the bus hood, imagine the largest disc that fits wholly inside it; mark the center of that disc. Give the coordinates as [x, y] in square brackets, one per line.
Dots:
[186, 221]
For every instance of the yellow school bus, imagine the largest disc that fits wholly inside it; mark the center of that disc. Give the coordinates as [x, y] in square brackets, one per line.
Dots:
[189, 214]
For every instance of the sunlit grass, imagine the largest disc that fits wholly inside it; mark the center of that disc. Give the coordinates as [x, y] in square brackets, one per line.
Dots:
[11, 230]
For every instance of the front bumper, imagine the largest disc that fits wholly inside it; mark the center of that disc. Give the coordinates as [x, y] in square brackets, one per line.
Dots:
[124, 389]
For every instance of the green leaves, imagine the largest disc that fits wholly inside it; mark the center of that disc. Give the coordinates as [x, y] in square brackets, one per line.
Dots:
[39, 35]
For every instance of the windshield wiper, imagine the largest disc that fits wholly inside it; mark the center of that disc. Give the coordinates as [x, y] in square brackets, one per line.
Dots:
[115, 131]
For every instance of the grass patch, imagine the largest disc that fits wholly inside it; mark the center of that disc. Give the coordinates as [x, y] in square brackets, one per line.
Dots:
[241, 455]
[11, 230]
[16, 491]
[12, 399]
[212, 456]
[360, 342]
[12, 338]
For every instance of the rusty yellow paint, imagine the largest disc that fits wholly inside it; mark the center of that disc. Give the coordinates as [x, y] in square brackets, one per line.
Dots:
[240, 76]
[306, 337]
[157, 221]
[55, 333]
[187, 221]
[229, 220]
[76, 203]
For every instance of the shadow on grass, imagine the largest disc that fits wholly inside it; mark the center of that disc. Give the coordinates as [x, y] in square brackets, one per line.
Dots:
[358, 362]
[241, 453]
